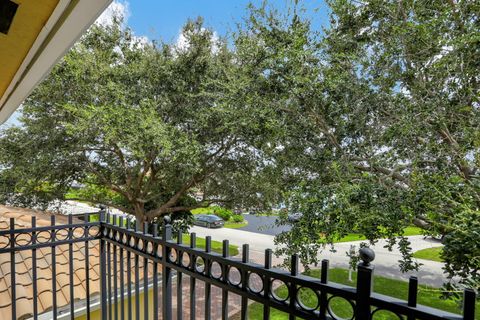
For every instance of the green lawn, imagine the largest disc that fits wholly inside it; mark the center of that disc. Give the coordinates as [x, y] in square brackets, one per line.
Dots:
[235, 225]
[202, 211]
[408, 231]
[429, 254]
[217, 246]
[386, 286]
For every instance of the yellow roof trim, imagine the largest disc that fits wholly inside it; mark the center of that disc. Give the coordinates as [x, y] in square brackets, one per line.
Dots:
[29, 20]
[66, 22]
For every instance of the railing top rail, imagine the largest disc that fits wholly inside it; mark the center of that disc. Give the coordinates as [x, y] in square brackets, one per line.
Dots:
[49, 228]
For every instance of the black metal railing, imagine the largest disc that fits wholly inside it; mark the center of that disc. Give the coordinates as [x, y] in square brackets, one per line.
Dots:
[140, 270]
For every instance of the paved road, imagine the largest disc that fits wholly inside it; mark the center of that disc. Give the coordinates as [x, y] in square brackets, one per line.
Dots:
[386, 262]
[263, 225]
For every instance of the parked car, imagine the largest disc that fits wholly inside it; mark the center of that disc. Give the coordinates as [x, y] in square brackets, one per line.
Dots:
[208, 220]
[294, 217]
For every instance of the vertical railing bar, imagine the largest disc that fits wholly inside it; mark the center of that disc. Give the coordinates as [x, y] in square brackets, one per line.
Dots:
[70, 268]
[145, 275]
[412, 295]
[155, 275]
[137, 274]
[34, 269]
[267, 283]
[179, 279]
[109, 279]
[244, 275]
[87, 266]
[122, 276]
[208, 286]
[115, 273]
[13, 282]
[103, 271]
[129, 273]
[166, 271]
[129, 280]
[193, 302]
[225, 254]
[54, 269]
[469, 300]
[293, 288]
[323, 294]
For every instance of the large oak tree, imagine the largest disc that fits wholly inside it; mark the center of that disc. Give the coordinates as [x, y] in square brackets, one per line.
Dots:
[148, 128]
[380, 123]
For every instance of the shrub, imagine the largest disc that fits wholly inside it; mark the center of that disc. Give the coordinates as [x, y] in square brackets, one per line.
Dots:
[223, 213]
[237, 218]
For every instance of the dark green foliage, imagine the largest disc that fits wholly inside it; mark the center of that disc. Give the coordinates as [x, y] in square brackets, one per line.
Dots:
[238, 218]
[143, 127]
[378, 123]
[223, 213]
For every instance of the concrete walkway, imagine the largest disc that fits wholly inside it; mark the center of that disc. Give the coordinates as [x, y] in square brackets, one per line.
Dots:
[386, 262]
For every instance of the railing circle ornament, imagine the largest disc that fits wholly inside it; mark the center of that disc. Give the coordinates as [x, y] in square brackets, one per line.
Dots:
[234, 276]
[149, 247]
[23, 239]
[172, 257]
[185, 260]
[255, 282]
[388, 314]
[132, 242]
[78, 233]
[199, 265]
[279, 290]
[4, 241]
[94, 231]
[61, 234]
[140, 245]
[44, 236]
[216, 270]
[308, 299]
[332, 313]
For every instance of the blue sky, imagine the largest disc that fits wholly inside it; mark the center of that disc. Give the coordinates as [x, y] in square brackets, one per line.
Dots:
[163, 19]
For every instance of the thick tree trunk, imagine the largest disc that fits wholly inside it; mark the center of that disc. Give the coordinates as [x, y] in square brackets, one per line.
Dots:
[140, 214]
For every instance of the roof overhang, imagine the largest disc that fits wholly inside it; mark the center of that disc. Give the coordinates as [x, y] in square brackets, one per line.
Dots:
[40, 33]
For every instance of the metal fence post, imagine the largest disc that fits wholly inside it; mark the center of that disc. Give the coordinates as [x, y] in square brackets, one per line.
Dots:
[166, 271]
[103, 270]
[469, 304]
[364, 284]
[323, 294]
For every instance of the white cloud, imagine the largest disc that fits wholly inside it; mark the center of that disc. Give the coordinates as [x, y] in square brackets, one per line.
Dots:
[118, 8]
[182, 44]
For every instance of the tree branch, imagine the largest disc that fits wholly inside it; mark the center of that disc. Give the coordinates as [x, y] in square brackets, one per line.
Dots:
[121, 208]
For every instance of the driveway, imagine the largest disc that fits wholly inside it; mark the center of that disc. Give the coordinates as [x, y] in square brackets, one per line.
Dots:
[386, 262]
[263, 225]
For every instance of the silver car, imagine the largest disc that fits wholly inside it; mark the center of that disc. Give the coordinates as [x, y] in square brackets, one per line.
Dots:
[208, 220]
